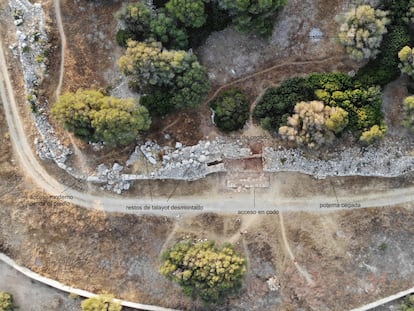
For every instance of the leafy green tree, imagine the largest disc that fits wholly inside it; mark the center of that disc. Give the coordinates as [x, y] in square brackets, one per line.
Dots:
[158, 102]
[190, 12]
[204, 270]
[6, 302]
[155, 69]
[409, 113]
[136, 18]
[104, 302]
[191, 87]
[150, 65]
[253, 15]
[408, 304]
[164, 29]
[314, 124]
[90, 115]
[231, 110]
[362, 30]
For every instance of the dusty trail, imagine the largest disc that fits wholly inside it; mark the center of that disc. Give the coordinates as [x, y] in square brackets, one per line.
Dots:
[300, 269]
[58, 13]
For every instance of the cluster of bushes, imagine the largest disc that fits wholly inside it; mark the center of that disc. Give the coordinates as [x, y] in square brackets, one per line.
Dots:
[92, 116]
[203, 270]
[363, 105]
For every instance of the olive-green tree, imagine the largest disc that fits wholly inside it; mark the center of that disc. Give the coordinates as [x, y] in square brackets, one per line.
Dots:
[164, 29]
[204, 270]
[362, 30]
[149, 64]
[104, 302]
[231, 110]
[190, 12]
[253, 15]
[92, 116]
[6, 302]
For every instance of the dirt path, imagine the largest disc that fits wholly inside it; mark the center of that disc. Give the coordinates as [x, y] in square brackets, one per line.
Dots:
[300, 269]
[278, 66]
[58, 13]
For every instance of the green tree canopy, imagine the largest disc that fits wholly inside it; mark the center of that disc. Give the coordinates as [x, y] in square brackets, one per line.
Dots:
[178, 73]
[164, 29]
[253, 15]
[204, 270]
[92, 116]
[231, 110]
[190, 12]
[136, 18]
[104, 302]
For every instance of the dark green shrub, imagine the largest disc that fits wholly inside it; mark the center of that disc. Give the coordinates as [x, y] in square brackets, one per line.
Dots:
[278, 103]
[396, 10]
[231, 110]
[158, 103]
[122, 37]
[384, 69]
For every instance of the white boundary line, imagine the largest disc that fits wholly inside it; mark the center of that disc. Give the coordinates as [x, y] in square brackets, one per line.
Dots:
[385, 300]
[57, 285]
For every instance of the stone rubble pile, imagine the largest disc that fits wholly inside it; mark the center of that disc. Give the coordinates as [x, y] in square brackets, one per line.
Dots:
[31, 46]
[388, 159]
[111, 177]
